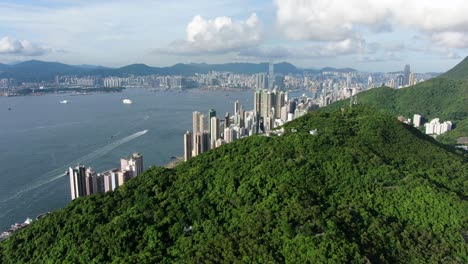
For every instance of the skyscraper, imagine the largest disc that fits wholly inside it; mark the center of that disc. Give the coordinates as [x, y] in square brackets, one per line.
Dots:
[203, 124]
[271, 75]
[187, 146]
[77, 181]
[91, 183]
[236, 107]
[406, 75]
[196, 122]
[211, 114]
[197, 144]
[215, 133]
[257, 101]
[227, 120]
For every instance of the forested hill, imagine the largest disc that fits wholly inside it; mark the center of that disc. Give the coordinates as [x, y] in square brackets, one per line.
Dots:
[364, 188]
[459, 72]
[445, 97]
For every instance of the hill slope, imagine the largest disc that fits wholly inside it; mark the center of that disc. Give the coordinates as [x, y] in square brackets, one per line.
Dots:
[459, 72]
[366, 188]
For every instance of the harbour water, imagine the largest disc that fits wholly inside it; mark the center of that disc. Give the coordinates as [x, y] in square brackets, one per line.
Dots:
[40, 138]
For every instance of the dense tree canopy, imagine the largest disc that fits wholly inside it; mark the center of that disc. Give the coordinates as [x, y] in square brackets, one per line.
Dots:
[364, 188]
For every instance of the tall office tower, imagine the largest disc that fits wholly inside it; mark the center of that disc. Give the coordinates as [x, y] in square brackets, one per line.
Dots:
[77, 181]
[187, 146]
[211, 114]
[401, 80]
[205, 141]
[90, 176]
[417, 120]
[203, 123]
[271, 75]
[257, 101]
[197, 147]
[236, 107]
[196, 122]
[392, 83]
[280, 100]
[227, 121]
[215, 133]
[406, 74]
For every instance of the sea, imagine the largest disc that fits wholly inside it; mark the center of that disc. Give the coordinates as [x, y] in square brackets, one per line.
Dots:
[40, 138]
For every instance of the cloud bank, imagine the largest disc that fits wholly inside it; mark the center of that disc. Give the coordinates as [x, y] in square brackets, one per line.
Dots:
[10, 46]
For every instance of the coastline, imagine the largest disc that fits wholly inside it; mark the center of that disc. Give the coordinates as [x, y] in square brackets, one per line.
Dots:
[173, 163]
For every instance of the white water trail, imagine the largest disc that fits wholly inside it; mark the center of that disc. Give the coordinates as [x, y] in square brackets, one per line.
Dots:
[59, 172]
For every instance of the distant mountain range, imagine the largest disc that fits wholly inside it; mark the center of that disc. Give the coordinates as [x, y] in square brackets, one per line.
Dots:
[37, 71]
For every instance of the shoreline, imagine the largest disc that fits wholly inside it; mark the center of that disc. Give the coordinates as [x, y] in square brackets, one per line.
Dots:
[173, 163]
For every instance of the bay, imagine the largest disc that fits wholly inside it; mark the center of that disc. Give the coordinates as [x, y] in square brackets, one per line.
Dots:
[40, 138]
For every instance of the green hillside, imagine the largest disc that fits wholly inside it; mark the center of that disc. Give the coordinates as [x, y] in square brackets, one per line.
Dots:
[365, 188]
[440, 97]
[459, 72]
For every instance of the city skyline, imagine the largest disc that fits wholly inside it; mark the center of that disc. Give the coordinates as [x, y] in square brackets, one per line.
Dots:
[308, 34]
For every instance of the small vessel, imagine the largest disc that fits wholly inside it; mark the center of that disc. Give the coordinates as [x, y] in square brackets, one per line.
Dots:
[127, 101]
[64, 102]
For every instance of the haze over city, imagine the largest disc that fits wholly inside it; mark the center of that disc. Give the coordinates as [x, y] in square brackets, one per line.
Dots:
[366, 35]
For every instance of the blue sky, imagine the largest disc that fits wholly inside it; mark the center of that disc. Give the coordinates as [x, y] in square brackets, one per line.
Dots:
[368, 35]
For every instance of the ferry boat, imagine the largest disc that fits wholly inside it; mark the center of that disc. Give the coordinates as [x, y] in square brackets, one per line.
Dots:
[127, 101]
[64, 102]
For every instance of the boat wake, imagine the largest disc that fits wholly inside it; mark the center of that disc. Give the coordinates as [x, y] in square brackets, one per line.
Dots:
[58, 173]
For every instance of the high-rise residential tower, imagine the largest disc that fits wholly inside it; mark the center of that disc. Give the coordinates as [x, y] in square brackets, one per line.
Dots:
[187, 146]
[77, 181]
[214, 133]
[211, 114]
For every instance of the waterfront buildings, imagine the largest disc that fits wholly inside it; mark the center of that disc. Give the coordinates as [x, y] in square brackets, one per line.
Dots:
[84, 181]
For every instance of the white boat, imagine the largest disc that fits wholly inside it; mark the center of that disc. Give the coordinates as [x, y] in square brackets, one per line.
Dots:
[127, 101]
[64, 102]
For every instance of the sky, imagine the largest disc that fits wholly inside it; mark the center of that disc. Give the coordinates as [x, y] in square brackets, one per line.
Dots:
[368, 35]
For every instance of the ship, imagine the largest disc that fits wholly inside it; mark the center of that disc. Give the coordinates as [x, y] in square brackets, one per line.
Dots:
[64, 102]
[127, 101]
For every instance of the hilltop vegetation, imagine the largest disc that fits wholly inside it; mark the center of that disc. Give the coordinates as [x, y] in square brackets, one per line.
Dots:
[365, 188]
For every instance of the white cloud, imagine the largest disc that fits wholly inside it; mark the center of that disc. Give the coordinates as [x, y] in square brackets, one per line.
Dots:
[219, 35]
[20, 47]
[451, 39]
[446, 21]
